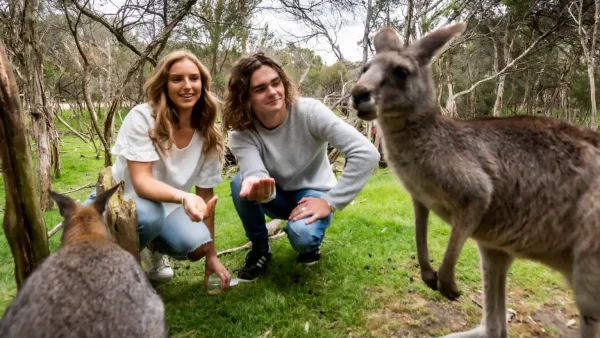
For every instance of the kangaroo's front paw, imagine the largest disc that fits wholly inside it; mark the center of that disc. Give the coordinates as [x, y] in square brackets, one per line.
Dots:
[430, 278]
[448, 289]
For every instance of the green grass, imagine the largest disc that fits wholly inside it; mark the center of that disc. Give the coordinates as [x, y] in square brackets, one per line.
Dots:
[367, 283]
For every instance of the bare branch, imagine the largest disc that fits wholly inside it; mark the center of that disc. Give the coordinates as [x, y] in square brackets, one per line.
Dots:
[116, 32]
[512, 63]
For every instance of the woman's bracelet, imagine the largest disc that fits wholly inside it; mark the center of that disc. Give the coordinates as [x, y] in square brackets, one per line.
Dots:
[182, 197]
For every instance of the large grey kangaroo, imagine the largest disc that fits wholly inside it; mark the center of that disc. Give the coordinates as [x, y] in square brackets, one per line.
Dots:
[90, 287]
[522, 187]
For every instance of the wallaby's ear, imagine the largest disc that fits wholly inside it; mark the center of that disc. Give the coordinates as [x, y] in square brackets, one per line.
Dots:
[426, 47]
[66, 205]
[102, 199]
[387, 40]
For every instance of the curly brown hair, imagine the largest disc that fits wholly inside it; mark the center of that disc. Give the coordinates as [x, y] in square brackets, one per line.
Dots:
[237, 112]
[205, 112]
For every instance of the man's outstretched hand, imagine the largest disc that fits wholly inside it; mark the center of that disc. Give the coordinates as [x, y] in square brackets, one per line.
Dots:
[257, 189]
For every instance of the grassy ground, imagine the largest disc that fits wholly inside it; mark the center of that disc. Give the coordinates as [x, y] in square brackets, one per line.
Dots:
[367, 284]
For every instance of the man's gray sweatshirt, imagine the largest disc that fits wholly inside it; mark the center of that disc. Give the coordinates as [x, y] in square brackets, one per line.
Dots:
[295, 152]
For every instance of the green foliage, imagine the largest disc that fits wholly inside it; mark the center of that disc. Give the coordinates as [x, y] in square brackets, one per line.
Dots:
[519, 7]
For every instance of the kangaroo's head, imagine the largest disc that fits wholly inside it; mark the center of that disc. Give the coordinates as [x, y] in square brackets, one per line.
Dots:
[397, 80]
[81, 222]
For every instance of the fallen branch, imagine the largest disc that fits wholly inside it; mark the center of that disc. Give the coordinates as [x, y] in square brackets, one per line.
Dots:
[248, 245]
[89, 185]
[59, 225]
[54, 230]
[57, 114]
[274, 230]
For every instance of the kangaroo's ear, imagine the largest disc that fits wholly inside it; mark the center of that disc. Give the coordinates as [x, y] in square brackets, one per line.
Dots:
[426, 47]
[102, 199]
[387, 40]
[66, 205]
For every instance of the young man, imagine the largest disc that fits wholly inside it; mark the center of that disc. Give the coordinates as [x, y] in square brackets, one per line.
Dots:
[280, 142]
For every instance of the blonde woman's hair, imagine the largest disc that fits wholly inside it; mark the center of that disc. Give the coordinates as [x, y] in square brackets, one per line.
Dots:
[204, 114]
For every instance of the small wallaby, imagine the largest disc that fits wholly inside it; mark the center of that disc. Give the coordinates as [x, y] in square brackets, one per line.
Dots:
[521, 187]
[90, 287]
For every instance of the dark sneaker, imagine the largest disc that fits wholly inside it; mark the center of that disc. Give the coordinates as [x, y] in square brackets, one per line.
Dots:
[309, 258]
[255, 265]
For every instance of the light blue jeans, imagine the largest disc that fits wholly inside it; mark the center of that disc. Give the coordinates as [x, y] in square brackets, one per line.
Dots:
[303, 237]
[175, 236]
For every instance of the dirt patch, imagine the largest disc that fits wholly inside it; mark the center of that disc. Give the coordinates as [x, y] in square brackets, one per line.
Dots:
[547, 322]
[413, 315]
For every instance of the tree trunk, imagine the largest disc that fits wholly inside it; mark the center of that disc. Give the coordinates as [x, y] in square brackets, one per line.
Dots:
[24, 225]
[590, 53]
[366, 32]
[547, 100]
[526, 92]
[499, 94]
[533, 103]
[121, 217]
[44, 130]
[92, 111]
[450, 102]
[409, 23]
[244, 24]
[594, 110]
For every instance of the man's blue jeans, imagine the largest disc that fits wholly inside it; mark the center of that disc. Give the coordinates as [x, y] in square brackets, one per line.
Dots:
[303, 237]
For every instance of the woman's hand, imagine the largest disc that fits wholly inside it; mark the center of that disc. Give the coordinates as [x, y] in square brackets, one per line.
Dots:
[195, 207]
[315, 208]
[213, 265]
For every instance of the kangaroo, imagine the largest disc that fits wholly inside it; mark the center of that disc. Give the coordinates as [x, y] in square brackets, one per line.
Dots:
[521, 187]
[90, 287]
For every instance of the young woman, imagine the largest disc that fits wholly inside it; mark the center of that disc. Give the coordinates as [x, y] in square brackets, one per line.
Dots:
[163, 148]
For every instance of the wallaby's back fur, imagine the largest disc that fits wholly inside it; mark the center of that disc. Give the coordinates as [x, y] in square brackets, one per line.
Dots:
[90, 287]
[524, 186]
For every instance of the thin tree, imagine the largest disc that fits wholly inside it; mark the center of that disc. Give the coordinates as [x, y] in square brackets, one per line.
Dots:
[588, 43]
[24, 225]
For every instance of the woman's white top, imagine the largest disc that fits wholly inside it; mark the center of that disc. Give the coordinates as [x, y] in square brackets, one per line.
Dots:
[179, 168]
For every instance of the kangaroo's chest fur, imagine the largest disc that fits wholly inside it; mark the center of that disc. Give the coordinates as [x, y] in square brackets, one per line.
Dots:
[536, 180]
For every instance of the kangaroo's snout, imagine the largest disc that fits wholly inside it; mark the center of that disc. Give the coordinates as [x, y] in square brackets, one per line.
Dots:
[363, 102]
[360, 94]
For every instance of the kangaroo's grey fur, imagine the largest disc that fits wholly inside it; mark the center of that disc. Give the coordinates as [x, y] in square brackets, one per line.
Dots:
[522, 187]
[90, 287]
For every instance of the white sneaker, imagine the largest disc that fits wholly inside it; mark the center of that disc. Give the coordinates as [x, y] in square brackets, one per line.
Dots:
[159, 268]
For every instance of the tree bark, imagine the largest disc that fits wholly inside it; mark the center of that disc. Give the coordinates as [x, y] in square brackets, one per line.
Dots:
[590, 54]
[506, 48]
[409, 23]
[24, 225]
[25, 47]
[121, 216]
[594, 110]
[244, 24]
[499, 95]
[366, 31]
[450, 102]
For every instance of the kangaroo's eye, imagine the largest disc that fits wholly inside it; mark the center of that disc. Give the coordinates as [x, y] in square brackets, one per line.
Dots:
[400, 72]
[365, 68]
